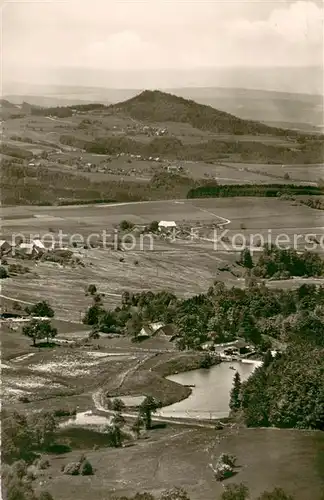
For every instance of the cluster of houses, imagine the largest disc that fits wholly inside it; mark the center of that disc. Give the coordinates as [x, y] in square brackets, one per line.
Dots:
[30, 249]
[146, 130]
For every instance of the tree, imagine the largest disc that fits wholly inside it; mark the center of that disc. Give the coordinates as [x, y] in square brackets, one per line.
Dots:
[267, 360]
[137, 426]
[3, 273]
[19, 489]
[39, 330]
[16, 437]
[235, 492]
[126, 298]
[117, 405]
[92, 289]
[126, 225]
[114, 429]
[41, 309]
[19, 469]
[154, 226]
[249, 330]
[235, 397]
[44, 427]
[276, 494]
[93, 315]
[86, 468]
[246, 258]
[134, 325]
[147, 407]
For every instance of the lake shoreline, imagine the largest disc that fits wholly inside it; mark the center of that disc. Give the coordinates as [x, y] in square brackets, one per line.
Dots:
[190, 406]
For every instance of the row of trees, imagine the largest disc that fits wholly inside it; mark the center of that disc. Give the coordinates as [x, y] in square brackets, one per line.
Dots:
[144, 419]
[260, 190]
[231, 492]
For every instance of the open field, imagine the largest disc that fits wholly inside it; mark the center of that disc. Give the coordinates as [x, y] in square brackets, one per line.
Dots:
[184, 266]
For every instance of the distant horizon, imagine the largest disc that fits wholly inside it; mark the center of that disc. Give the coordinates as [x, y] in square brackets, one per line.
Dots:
[280, 79]
[162, 89]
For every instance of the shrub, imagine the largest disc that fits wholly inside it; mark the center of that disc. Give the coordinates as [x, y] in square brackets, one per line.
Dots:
[223, 471]
[19, 468]
[235, 492]
[126, 225]
[43, 463]
[276, 494]
[228, 459]
[92, 289]
[225, 466]
[62, 412]
[45, 495]
[86, 468]
[24, 399]
[154, 226]
[72, 469]
[94, 335]
[3, 273]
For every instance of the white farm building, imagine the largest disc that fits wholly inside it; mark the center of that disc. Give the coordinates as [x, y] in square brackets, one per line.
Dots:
[167, 224]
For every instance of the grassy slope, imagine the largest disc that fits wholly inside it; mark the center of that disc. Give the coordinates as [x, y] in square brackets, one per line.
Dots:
[180, 456]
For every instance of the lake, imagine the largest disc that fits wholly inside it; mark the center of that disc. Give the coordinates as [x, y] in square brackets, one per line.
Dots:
[211, 394]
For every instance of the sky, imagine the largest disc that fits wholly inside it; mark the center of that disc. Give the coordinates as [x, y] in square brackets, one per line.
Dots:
[40, 39]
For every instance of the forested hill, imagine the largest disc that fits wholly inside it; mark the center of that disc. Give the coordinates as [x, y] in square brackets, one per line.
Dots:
[156, 106]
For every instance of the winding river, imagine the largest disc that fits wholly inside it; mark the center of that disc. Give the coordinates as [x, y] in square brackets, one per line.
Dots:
[211, 391]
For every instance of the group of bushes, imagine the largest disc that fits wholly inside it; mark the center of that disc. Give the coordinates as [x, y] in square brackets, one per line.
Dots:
[83, 467]
[277, 263]
[225, 466]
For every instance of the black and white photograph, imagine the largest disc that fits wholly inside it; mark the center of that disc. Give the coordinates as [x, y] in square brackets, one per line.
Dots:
[162, 249]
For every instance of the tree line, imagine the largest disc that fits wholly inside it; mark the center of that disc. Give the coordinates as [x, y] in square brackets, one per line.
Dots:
[260, 190]
[173, 148]
[256, 313]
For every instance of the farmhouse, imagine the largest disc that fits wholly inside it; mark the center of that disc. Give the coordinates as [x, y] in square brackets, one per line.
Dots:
[208, 346]
[39, 245]
[145, 333]
[5, 247]
[237, 347]
[28, 249]
[167, 224]
[174, 169]
[156, 326]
